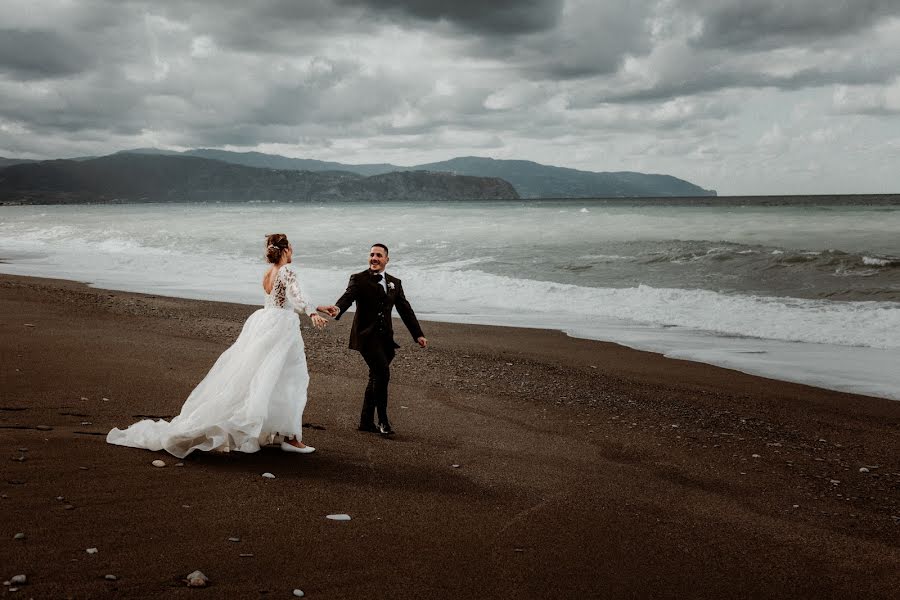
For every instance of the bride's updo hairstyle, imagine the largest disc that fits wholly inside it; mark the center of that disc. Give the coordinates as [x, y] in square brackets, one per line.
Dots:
[276, 244]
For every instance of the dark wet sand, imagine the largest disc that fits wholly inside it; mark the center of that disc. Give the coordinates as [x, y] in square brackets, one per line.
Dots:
[585, 469]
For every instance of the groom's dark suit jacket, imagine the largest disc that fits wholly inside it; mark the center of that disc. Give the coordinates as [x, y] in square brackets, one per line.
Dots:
[372, 320]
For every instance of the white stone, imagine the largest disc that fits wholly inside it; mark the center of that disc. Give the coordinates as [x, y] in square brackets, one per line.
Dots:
[755, 455]
[268, 476]
[92, 551]
[110, 577]
[863, 470]
[197, 579]
[158, 463]
[455, 466]
[338, 517]
[299, 593]
[18, 580]
[234, 539]
[19, 536]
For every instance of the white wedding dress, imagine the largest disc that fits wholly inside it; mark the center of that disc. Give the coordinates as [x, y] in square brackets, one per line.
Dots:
[255, 390]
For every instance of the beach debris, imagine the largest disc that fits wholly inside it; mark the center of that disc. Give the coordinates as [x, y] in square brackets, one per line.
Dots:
[863, 470]
[234, 539]
[268, 475]
[197, 579]
[299, 593]
[19, 536]
[338, 517]
[158, 463]
[110, 577]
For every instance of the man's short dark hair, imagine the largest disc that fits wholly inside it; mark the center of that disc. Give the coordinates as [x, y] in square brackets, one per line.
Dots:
[386, 251]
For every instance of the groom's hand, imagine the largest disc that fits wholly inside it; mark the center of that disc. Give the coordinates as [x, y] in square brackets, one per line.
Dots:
[422, 341]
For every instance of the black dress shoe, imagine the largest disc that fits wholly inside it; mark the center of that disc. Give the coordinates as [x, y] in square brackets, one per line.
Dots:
[370, 428]
[385, 429]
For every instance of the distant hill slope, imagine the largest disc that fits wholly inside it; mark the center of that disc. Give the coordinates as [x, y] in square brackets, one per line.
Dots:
[148, 177]
[8, 162]
[531, 179]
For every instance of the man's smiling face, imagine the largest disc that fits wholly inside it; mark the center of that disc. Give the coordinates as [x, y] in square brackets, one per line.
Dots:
[378, 259]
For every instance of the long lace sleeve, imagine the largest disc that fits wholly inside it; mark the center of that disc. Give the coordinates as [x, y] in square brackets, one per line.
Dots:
[294, 294]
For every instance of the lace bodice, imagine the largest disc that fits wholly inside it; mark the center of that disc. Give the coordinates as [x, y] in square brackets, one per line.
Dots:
[286, 288]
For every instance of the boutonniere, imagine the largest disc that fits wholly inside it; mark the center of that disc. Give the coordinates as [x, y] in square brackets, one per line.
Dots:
[391, 284]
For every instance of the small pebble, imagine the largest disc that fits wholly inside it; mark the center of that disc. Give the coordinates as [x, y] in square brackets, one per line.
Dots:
[110, 577]
[268, 476]
[19, 458]
[299, 593]
[68, 507]
[86, 423]
[92, 551]
[60, 498]
[755, 455]
[18, 580]
[863, 470]
[83, 468]
[44, 428]
[338, 517]
[19, 536]
[197, 579]
[796, 506]
[455, 466]
[245, 555]
[83, 398]
[105, 399]
[234, 539]
[179, 464]
[158, 463]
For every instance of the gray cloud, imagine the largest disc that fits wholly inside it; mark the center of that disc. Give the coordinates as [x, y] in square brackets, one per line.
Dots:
[776, 23]
[506, 17]
[40, 55]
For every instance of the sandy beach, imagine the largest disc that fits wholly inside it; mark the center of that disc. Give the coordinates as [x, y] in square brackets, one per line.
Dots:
[526, 464]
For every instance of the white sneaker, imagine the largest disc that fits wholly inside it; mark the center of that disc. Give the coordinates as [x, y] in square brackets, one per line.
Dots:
[291, 448]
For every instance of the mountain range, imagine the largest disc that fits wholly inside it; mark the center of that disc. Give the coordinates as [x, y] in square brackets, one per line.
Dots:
[154, 175]
[127, 177]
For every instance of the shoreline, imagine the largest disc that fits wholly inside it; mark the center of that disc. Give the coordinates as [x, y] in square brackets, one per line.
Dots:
[760, 357]
[638, 474]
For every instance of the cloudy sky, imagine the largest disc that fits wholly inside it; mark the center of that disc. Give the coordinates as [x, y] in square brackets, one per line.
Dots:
[743, 96]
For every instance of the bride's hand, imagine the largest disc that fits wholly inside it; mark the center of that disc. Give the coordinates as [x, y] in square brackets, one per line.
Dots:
[318, 322]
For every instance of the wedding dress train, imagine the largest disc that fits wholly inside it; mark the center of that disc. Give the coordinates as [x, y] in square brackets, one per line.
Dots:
[255, 390]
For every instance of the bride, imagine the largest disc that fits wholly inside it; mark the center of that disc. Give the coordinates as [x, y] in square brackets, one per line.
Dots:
[256, 389]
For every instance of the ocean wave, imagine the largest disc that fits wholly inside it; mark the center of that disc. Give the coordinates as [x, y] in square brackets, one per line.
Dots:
[859, 323]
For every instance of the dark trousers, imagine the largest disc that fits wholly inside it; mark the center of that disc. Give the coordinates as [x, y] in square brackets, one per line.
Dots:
[378, 357]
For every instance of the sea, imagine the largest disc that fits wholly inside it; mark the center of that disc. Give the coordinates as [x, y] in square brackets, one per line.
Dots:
[796, 289]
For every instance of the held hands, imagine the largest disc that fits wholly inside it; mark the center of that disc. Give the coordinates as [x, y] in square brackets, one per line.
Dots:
[331, 310]
[318, 321]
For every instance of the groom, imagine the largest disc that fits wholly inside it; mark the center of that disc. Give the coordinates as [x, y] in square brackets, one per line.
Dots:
[376, 293]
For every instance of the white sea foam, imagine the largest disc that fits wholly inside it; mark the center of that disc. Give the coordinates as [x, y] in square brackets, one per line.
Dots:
[876, 262]
[214, 253]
